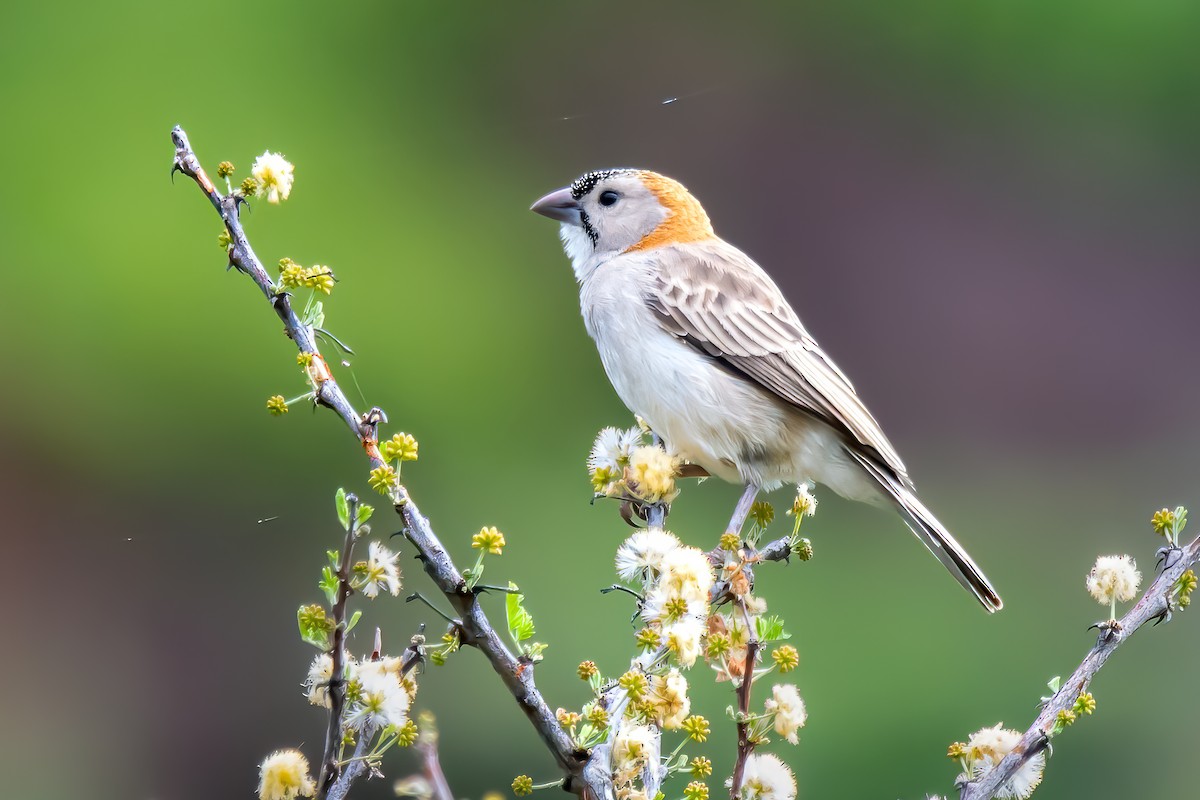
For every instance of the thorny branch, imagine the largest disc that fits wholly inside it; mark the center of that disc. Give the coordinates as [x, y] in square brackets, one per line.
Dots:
[477, 631]
[745, 746]
[337, 677]
[1155, 605]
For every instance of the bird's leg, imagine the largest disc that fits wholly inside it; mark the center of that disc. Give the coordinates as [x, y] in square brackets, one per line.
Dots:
[742, 510]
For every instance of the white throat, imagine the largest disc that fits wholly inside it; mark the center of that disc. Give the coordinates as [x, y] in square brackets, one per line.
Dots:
[579, 248]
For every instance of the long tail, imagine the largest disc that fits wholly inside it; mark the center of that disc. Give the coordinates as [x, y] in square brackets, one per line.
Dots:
[933, 534]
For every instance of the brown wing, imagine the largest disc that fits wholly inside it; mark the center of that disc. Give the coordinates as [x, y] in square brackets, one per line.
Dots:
[719, 301]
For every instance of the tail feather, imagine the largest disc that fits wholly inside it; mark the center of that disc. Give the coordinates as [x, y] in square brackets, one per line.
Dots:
[933, 534]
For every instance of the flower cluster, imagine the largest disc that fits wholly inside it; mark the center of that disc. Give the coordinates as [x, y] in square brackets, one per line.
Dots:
[677, 580]
[986, 748]
[622, 465]
[295, 276]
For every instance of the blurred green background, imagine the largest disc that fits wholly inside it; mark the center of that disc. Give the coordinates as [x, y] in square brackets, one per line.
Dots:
[986, 212]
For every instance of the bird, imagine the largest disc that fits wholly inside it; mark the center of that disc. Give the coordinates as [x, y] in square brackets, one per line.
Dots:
[699, 342]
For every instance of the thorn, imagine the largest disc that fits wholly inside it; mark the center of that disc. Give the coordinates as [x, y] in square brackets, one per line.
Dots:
[1165, 560]
[1109, 630]
[175, 168]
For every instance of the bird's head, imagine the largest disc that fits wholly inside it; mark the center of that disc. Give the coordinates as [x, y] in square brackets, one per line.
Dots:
[608, 212]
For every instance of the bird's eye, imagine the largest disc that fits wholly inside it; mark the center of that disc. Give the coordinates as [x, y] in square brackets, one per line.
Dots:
[608, 198]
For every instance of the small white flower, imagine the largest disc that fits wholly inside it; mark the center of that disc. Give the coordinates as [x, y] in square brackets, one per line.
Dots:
[382, 572]
[643, 553]
[766, 777]
[613, 448]
[382, 701]
[316, 685]
[669, 698]
[1114, 578]
[320, 672]
[283, 775]
[661, 606]
[987, 747]
[789, 711]
[275, 176]
[683, 639]
[686, 573]
[634, 747]
[804, 504]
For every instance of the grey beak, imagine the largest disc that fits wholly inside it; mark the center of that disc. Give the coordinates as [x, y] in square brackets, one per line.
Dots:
[559, 205]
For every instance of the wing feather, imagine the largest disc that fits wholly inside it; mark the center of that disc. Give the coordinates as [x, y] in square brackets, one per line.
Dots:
[718, 300]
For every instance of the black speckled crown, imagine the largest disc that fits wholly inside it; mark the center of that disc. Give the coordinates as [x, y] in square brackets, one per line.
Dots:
[586, 182]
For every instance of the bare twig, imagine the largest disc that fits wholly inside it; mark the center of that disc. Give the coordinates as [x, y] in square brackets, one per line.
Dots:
[517, 675]
[1155, 605]
[337, 677]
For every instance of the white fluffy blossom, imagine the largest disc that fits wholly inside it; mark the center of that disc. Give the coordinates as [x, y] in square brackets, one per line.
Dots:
[766, 777]
[1114, 578]
[789, 711]
[643, 553]
[804, 504]
[668, 696]
[382, 572]
[987, 747]
[682, 638]
[665, 607]
[651, 473]
[284, 775]
[686, 573]
[381, 701]
[320, 673]
[613, 448]
[634, 747]
[274, 175]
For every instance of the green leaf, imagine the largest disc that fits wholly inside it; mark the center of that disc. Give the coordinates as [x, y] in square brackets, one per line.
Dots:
[354, 618]
[343, 510]
[329, 584]
[364, 512]
[770, 629]
[520, 623]
[333, 557]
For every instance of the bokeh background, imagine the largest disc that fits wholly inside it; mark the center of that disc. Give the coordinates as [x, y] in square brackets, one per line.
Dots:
[986, 212]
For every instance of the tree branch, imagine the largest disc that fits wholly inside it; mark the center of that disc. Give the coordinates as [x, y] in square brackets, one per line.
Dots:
[337, 677]
[517, 675]
[744, 744]
[1156, 604]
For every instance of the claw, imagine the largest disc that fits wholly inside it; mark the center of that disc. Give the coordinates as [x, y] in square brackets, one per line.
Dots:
[630, 509]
